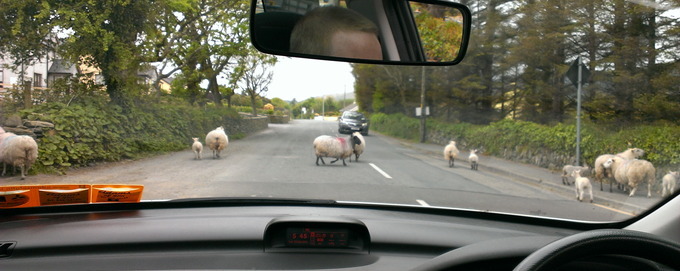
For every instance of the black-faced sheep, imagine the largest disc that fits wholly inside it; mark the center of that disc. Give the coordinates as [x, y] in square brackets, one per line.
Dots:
[668, 182]
[358, 148]
[217, 141]
[451, 153]
[197, 147]
[335, 147]
[567, 171]
[602, 174]
[581, 184]
[633, 172]
[17, 151]
[474, 159]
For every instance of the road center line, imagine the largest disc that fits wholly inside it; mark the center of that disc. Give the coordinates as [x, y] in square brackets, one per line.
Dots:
[423, 203]
[614, 210]
[380, 171]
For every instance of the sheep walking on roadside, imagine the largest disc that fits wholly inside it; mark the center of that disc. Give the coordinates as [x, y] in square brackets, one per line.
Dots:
[669, 182]
[607, 174]
[581, 184]
[358, 148]
[451, 153]
[18, 151]
[567, 171]
[217, 141]
[633, 172]
[197, 147]
[335, 147]
[474, 159]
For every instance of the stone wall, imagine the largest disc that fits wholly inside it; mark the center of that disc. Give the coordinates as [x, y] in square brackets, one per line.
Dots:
[246, 125]
[35, 129]
[279, 119]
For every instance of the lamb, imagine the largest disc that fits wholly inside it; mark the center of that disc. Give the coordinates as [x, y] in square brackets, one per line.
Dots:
[18, 151]
[601, 173]
[581, 184]
[451, 153]
[668, 182]
[567, 171]
[197, 147]
[633, 172]
[335, 147]
[474, 159]
[217, 141]
[359, 148]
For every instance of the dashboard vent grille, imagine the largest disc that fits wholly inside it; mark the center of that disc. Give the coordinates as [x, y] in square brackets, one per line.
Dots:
[6, 248]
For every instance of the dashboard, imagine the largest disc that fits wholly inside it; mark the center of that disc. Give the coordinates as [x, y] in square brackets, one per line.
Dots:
[153, 236]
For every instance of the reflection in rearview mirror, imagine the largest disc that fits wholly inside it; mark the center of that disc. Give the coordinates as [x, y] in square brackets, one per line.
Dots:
[369, 31]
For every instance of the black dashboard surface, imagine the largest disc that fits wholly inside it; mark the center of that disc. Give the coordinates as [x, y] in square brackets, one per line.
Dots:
[232, 238]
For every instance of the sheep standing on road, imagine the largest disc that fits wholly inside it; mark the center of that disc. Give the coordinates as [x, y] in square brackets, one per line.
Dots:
[217, 141]
[581, 184]
[567, 171]
[17, 151]
[335, 147]
[633, 172]
[474, 159]
[358, 148]
[602, 174]
[197, 147]
[669, 181]
[451, 153]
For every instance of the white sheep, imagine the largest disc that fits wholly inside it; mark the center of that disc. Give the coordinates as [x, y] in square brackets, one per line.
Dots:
[668, 182]
[633, 172]
[581, 184]
[602, 174]
[451, 152]
[17, 151]
[217, 141]
[197, 147]
[567, 171]
[335, 147]
[358, 148]
[474, 159]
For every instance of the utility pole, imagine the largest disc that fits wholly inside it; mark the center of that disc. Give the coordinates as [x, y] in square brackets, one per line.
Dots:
[578, 112]
[422, 106]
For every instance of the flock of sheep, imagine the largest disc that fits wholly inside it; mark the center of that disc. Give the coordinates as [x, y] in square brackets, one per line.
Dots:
[216, 140]
[451, 153]
[17, 150]
[625, 169]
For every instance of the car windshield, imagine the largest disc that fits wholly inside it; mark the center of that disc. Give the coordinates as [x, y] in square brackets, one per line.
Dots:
[560, 109]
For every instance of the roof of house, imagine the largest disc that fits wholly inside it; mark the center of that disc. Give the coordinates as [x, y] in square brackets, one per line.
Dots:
[62, 66]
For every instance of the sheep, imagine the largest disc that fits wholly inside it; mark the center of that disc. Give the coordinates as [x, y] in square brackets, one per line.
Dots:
[567, 171]
[197, 147]
[358, 148]
[217, 141]
[474, 159]
[336, 147]
[18, 151]
[633, 172]
[581, 184]
[601, 173]
[451, 152]
[668, 182]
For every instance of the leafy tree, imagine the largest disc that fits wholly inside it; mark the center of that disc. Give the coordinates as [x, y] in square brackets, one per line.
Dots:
[254, 75]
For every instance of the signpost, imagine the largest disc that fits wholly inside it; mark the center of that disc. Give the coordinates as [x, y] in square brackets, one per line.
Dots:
[577, 73]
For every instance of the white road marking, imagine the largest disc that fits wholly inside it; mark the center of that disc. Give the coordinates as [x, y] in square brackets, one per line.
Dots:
[380, 171]
[423, 203]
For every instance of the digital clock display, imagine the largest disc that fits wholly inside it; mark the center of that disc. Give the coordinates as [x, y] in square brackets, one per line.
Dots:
[317, 237]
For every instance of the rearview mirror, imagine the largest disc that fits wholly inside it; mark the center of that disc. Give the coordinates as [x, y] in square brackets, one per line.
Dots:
[419, 32]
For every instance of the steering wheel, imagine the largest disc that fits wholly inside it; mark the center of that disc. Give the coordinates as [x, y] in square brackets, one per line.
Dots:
[602, 242]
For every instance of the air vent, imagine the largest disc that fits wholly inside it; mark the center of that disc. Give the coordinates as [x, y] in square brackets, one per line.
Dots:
[6, 248]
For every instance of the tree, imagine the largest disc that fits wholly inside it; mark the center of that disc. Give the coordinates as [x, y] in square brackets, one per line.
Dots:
[254, 75]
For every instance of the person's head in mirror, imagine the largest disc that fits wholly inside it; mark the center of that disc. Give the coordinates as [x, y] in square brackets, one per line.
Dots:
[336, 31]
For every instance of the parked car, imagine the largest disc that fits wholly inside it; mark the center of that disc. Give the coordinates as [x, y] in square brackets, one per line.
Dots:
[352, 121]
[263, 204]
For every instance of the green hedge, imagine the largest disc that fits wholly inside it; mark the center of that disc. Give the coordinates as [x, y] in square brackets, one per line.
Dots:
[660, 142]
[86, 133]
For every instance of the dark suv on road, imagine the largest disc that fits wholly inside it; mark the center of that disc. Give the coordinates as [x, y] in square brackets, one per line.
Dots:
[352, 121]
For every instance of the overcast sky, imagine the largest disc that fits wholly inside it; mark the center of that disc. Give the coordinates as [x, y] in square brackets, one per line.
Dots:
[303, 78]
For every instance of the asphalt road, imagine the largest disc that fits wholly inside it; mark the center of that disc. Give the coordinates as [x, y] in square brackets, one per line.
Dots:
[280, 163]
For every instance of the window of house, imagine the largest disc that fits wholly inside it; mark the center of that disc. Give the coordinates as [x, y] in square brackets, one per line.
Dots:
[2, 76]
[37, 80]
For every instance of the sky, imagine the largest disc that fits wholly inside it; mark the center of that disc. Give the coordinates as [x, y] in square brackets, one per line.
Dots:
[304, 78]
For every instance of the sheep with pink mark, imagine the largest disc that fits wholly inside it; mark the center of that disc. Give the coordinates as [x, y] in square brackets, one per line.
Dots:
[339, 148]
[18, 151]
